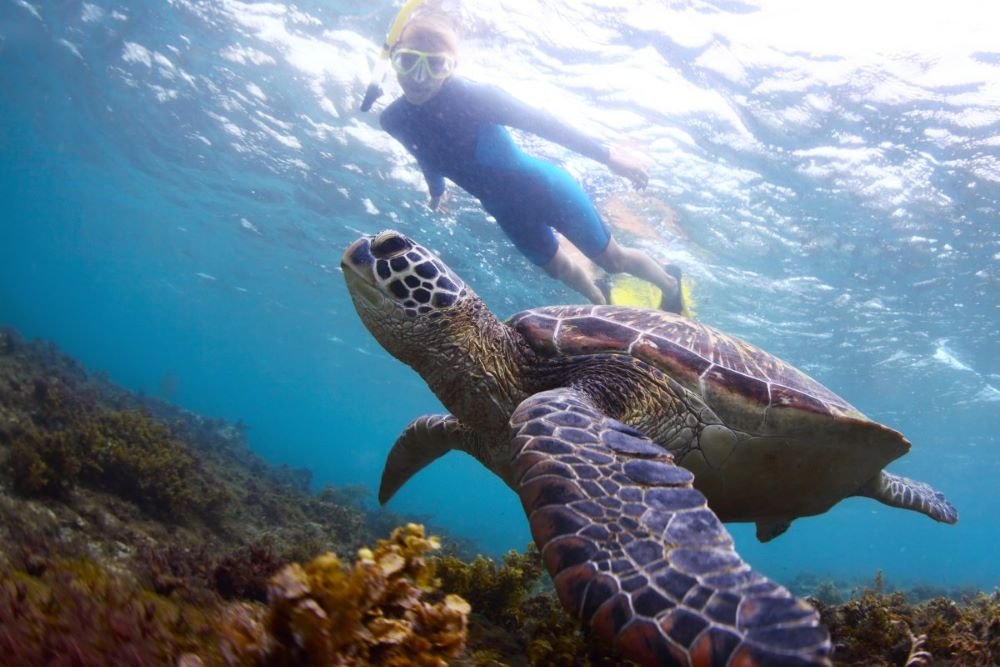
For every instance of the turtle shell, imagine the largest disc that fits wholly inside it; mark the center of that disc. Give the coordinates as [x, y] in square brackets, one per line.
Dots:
[772, 443]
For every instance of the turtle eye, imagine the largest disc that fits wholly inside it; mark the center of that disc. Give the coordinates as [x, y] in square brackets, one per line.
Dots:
[389, 244]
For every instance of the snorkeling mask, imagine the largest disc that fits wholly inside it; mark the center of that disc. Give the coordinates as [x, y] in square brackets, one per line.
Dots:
[410, 62]
[374, 89]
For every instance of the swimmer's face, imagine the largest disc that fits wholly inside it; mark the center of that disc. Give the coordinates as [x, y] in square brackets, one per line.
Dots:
[423, 59]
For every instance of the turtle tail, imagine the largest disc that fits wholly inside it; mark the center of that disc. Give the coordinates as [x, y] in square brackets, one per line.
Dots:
[909, 494]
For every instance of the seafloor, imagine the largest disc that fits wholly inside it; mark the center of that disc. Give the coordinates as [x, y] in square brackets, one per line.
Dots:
[136, 533]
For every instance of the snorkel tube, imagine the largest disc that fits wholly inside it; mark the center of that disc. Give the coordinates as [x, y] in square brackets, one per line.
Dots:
[374, 90]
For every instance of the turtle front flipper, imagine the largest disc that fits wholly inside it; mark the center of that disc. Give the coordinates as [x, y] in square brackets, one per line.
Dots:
[423, 441]
[909, 494]
[635, 551]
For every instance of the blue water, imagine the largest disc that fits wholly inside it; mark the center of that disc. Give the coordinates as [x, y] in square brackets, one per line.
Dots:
[179, 178]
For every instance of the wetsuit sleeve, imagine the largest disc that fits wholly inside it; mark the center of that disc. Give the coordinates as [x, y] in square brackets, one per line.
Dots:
[500, 107]
[435, 181]
[392, 121]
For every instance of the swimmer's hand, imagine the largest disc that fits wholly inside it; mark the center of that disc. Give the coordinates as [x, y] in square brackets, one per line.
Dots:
[629, 164]
[437, 204]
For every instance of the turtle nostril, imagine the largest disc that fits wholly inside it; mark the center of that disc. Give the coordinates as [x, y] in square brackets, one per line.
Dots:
[389, 244]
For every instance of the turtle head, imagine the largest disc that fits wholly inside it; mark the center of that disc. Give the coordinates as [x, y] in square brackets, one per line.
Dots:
[401, 290]
[428, 318]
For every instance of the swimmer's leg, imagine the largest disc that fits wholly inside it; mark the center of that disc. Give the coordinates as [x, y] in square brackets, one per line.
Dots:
[617, 258]
[563, 267]
[574, 215]
[539, 244]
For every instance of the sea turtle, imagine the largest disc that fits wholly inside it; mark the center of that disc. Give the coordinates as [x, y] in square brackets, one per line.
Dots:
[584, 410]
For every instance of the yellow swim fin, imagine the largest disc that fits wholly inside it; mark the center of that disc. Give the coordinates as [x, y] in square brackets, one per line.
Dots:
[626, 290]
[622, 289]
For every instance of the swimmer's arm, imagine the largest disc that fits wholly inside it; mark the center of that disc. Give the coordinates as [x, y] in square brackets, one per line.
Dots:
[628, 164]
[436, 204]
[502, 108]
[435, 185]
[393, 123]
[511, 112]
[435, 181]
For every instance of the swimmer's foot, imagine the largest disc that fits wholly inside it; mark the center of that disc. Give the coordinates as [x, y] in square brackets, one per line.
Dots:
[604, 284]
[673, 303]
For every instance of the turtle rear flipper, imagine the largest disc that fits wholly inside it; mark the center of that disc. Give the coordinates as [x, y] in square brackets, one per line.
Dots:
[909, 494]
[635, 552]
[423, 441]
[772, 528]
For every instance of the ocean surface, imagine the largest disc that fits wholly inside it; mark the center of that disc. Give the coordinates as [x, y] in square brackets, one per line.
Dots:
[178, 179]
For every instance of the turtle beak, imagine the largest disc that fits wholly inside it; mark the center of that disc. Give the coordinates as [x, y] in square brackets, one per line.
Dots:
[358, 265]
[358, 258]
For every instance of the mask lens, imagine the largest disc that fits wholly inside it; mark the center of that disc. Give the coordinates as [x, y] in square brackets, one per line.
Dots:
[439, 64]
[404, 62]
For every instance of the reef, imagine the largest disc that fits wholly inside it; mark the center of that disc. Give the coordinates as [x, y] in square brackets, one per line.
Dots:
[133, 532]
[877, 626]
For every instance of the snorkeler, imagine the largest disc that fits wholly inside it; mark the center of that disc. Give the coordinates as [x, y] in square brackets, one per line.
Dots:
[455, 128]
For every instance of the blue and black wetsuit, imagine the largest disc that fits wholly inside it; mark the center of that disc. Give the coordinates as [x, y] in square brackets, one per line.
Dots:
[459, 134]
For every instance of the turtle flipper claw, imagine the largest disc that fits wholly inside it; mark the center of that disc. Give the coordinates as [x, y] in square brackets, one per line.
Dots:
[636, 553]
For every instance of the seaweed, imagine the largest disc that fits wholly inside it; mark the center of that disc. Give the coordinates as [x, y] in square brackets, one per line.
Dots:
[517, 615]
[381, 611]
[883, 628]
[244, 573]
[79, 614]
[495, 591]
[122, 452]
